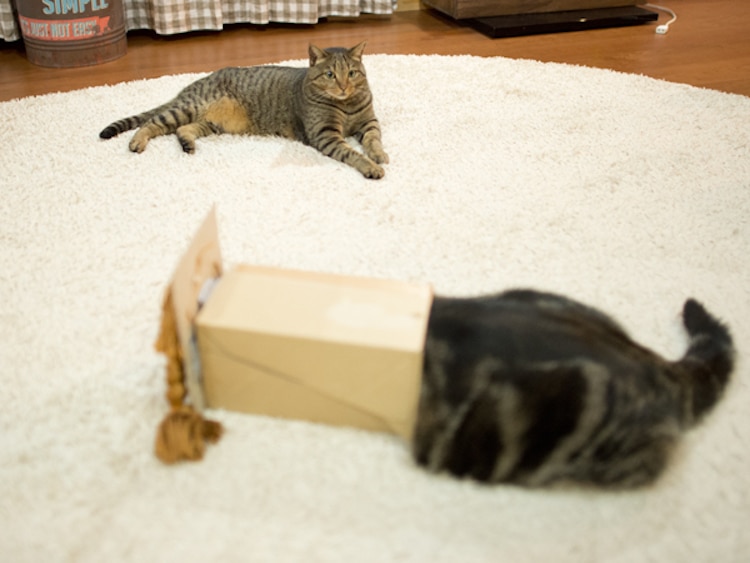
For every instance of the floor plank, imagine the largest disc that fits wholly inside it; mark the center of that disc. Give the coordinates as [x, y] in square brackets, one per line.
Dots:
[708, 46]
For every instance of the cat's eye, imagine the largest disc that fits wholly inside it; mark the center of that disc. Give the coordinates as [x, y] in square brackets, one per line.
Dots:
[352, 73]
[329, 74]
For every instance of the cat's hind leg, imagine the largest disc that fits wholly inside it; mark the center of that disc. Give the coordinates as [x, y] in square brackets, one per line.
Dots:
[147, 132]
[187, 134]
[167, 120]
[221, 116]
[636, 464]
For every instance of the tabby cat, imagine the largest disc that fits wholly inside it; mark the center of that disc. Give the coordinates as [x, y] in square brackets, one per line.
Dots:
[319, 106]
[535, 389]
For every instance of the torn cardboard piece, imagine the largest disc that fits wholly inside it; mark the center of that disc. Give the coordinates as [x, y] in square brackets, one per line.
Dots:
[200, 263]
[333, 349]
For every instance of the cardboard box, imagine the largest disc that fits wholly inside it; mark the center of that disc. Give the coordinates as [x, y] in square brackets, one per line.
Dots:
[325, 348]
[464, 9]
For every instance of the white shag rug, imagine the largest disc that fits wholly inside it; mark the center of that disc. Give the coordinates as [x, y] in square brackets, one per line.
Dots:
[628, 193]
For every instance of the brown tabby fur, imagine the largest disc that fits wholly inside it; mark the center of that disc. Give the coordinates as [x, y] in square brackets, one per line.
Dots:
[320, 106]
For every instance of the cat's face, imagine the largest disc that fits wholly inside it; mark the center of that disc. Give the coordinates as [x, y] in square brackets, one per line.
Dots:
[336, 71]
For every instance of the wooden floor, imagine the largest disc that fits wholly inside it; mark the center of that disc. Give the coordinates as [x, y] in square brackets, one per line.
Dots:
[708, 46]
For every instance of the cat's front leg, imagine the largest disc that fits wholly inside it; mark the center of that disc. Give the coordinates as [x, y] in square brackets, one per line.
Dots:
[338, 149]
[367, 167]
[374, 149]
[372, 143]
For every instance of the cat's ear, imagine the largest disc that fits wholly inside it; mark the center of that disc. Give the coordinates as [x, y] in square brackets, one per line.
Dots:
[356, 51]
[315, 54]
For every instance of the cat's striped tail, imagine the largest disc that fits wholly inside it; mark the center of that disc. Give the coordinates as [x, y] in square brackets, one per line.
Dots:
[126, 124]
[708, 362]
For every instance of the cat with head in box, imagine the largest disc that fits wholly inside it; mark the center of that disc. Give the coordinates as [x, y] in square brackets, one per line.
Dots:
[535, 389]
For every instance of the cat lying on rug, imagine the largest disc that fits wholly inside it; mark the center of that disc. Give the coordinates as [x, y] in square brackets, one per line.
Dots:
[319, 106]
[533, 389]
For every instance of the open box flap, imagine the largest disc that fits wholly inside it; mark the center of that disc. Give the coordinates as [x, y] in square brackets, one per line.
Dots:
[200, 263]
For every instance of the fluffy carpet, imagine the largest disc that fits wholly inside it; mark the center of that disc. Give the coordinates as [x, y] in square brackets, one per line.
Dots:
[625, 192]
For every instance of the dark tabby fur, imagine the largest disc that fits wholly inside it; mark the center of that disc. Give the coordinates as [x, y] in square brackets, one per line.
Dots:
[533, 389]
[319, 106]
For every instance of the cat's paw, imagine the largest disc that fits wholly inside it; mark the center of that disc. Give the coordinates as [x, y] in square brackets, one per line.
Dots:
[138, 142]
[137, 146]
[188, 145]
[380, 157]
[372, 171]
[374, 151]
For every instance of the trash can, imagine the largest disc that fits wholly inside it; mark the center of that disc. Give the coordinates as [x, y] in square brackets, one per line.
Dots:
[70, 33]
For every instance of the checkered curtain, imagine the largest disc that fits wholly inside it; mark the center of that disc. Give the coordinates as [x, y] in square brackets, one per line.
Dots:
[168, 17]
[8, 26]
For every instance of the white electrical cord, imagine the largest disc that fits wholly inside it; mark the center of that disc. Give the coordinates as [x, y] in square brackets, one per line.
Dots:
[663, 28]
